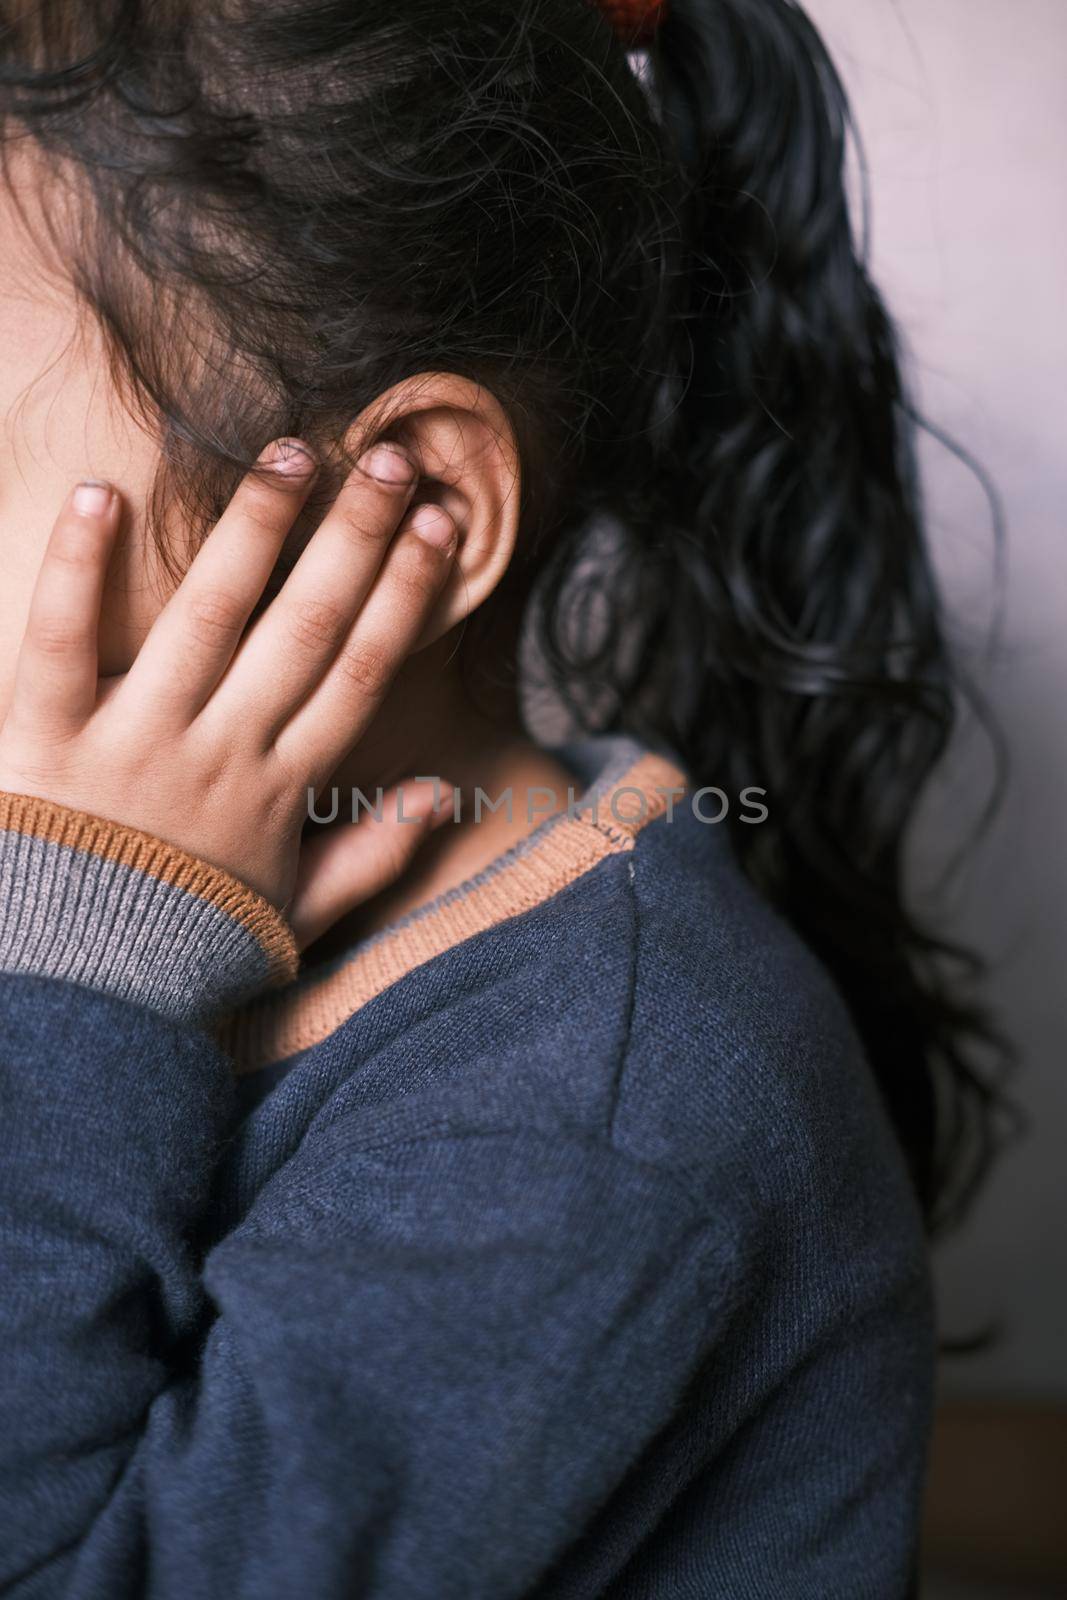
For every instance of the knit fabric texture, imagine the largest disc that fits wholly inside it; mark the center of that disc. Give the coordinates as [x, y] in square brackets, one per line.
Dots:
[576, 1259]
[128, 914]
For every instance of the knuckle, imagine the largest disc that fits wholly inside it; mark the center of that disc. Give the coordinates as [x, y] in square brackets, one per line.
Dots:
[282, 808]
[315, 623]
[267, 507]
[214, 776]
[366, 667]
[77, 549]
[58, 636]
[416, 569]
[215, 617]
[360, 523]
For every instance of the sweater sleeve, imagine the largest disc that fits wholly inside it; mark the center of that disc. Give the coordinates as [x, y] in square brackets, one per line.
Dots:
[414, 1370]
[125, 913]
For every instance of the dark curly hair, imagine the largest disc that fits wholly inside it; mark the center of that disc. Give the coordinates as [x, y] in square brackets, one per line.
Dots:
[294, 204]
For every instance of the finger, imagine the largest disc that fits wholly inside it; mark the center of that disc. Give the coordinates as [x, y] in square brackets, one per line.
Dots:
[56, 675]
[352, 862]
[293, 643]
[192, 641]
[384, 634]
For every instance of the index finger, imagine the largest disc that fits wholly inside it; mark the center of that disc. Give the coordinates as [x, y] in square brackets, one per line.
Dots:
[192, 641]
[293, 642]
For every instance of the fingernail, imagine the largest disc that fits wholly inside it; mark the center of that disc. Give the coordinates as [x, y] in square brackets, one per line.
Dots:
[433, 524]
[289, 456]
[92, 497]
[388, 463]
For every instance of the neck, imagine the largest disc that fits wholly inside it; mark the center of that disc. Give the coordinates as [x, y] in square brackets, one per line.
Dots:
[431, 727]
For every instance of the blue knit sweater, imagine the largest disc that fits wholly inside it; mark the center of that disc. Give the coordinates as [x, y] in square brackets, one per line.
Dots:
[554, 1243]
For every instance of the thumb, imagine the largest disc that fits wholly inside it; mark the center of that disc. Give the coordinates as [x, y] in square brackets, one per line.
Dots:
[348, 864]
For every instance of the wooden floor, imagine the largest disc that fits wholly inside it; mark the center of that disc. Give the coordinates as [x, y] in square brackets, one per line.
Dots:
[996, 1517]
[939, 1588]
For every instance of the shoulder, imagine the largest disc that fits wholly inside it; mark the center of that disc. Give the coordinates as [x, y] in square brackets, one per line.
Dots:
[730, 1008]
[743, 1073]
[627, 986]
[658, 1003]
[651, 1046]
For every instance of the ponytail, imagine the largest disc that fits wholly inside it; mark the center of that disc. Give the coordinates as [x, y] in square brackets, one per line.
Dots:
[789, 630]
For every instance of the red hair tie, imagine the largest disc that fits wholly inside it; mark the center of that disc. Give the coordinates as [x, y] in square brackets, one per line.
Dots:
[634, 21]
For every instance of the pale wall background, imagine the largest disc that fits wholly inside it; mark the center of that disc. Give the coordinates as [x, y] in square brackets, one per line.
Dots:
[963, 108]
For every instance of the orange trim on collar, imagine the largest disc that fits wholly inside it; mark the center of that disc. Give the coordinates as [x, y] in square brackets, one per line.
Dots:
[274, 1026]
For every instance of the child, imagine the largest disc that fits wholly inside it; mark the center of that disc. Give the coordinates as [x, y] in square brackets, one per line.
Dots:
[459, 1206]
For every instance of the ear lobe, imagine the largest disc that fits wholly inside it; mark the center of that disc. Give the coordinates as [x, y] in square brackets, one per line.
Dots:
[469, 464]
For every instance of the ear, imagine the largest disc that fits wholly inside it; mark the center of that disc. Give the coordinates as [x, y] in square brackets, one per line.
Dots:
[468, 462]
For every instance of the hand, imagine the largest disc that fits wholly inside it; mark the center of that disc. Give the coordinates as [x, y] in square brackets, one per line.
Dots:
[213, 737]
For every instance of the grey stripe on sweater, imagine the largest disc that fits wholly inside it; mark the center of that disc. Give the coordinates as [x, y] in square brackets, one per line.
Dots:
[74, 915]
